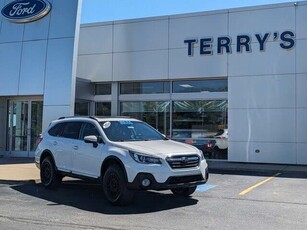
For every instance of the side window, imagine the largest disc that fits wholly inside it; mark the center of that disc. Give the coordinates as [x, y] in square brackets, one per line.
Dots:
[89, 130]
[56, 130]
[71, 130]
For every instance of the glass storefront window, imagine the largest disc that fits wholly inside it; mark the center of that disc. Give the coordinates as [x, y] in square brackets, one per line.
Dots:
[198, 86]
[24, 126]
[103, 89]
[82, 108]
[36, 122]
[103, 109]
[157, 114]
[20, 125]
[144, 87]
[202, 124]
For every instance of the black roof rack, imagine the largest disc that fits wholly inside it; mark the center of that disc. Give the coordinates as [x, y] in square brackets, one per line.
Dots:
[92, 117]
[111, 117]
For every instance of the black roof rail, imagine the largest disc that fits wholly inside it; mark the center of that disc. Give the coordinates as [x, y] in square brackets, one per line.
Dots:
[94, 117]
[112, 117]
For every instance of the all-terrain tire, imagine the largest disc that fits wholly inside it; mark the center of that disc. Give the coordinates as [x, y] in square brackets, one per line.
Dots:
[48, 174]
[114, 185]
[183, 191]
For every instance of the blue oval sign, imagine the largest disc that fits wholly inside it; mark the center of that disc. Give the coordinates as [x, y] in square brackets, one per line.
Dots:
[21, 11]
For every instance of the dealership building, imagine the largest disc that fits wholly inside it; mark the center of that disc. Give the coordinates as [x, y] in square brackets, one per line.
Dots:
[234, 79]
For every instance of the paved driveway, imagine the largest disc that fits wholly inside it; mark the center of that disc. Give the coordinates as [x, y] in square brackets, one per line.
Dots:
[269, 201]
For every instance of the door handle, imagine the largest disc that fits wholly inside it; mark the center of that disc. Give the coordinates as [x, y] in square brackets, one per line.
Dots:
[55, 143]
[75, 147]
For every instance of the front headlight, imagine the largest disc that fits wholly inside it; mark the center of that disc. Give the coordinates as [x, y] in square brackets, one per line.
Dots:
[144, 159]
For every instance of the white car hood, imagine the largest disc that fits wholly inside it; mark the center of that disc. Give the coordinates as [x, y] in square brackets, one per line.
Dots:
[160, 148]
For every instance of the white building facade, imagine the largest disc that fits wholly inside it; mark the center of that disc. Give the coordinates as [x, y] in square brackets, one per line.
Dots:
[231, 82]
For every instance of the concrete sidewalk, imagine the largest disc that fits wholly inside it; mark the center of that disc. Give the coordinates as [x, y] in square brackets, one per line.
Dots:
[18, 169]
[24, 169]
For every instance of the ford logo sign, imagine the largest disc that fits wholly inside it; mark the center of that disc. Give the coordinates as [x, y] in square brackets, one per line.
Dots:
[21, 11]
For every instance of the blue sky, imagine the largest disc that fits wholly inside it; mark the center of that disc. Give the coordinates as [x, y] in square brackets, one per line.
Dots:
[111, 10]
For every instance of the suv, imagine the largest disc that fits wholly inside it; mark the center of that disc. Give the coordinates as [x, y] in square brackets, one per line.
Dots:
[217, 145]
[122, 154]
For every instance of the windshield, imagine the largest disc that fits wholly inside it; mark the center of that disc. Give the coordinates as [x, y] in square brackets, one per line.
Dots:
[130, 131]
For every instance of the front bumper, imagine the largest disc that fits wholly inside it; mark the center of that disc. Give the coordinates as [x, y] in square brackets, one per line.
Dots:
[170, 183]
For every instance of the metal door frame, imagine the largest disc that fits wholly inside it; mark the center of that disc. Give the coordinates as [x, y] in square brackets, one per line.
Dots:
[9, 152]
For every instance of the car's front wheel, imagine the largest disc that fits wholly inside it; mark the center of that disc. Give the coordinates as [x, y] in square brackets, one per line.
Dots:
[48, 173]
[183, 191]
[115, 186]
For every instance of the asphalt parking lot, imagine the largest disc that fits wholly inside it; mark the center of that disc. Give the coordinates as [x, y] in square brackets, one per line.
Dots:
[230, 200]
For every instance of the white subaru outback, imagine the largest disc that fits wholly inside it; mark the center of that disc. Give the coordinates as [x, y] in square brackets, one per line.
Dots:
[122, 154]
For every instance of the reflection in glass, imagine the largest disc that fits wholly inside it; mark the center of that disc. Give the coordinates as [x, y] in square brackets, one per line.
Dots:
[144, 87]
[36, 122]
[103, 109]
[157, 114]
[202, 124]
[20, 125]
[9, 125]
[212, 85]
[82, 108]
[103, 89]
[24, 125]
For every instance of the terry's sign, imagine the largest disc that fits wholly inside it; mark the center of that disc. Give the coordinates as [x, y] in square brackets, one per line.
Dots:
[21, 11]
[286, 40]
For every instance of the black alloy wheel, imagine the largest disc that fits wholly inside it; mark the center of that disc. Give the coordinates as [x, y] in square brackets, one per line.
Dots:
[48, 174]
[115, 186]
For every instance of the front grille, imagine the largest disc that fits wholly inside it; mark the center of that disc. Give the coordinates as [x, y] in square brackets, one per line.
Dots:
[177, 162]
[185, 179]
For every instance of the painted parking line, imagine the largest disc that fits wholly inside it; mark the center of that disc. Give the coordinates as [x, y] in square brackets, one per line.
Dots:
[257, 185]
[205, 187]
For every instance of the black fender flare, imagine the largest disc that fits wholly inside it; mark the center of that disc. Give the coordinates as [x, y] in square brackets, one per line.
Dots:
[109, 161]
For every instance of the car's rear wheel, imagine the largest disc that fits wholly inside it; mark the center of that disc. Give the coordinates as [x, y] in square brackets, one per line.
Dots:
[48, 173]
[183, 191]
[115, 186]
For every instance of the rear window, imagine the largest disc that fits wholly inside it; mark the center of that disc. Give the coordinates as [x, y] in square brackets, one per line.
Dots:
[66, 129]
[56, 130]
[71, 130]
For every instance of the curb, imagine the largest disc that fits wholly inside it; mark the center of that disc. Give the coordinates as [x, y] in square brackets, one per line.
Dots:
[244, 168]
[19, 182]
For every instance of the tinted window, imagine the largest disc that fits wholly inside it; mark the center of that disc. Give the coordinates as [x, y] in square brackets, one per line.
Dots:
[89, 130]
[212, 85]
[71, 130]
[154, 113]
[144, 87]
[56, 130]
[103, 109]
[130, 131]
[82, 108]
[103, 89]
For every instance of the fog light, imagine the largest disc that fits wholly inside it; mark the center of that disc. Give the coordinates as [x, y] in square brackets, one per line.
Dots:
[145, 182]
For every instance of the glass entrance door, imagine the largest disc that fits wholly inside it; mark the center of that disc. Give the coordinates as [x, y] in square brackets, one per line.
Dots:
[24, 126]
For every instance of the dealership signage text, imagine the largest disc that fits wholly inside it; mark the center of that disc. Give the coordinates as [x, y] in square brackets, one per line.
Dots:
[243, 43]
[26, 10]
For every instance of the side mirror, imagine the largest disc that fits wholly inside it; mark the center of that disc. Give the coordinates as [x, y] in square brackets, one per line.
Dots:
[91, 139]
